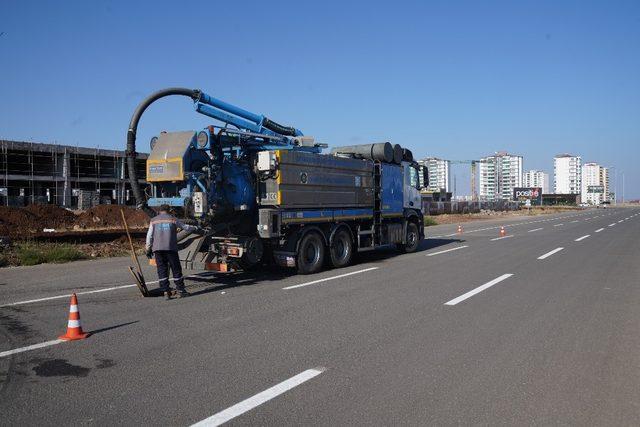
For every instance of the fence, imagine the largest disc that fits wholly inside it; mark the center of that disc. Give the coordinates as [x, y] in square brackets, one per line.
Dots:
[439, 208]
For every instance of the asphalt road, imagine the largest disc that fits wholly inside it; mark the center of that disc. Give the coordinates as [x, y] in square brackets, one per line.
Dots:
[472, 329]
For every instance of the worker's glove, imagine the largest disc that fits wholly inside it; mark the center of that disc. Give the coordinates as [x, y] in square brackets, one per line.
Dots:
[148, 252]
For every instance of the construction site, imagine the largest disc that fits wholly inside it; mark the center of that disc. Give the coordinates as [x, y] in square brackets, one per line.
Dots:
[70, 176]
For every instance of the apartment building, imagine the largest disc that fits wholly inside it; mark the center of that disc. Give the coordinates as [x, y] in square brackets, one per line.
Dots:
[499, 175]
[567, 174]
[595, 184]
[439, 174]
[536, 178]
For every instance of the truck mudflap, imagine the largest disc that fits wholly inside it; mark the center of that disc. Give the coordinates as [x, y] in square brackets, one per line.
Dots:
[284, 259]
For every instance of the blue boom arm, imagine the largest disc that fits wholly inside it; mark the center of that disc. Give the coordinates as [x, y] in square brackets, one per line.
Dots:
[240, 118]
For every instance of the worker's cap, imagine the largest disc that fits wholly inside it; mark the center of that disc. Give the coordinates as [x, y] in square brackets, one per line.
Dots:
[165, 208]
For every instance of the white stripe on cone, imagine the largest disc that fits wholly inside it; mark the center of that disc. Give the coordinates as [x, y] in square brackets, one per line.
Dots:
[74, 323]
[73, 309]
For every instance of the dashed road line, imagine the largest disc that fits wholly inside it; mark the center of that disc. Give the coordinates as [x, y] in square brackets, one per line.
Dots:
[599, 230]
[611, 225]
[326, 279]
[558, 225]
[535, 229]
[575, 220]
[260, 398]
[503, 237]
[478, 289]
[620, 221]
[579, 239]
[448, 250]
[548, 254]
[30, 347]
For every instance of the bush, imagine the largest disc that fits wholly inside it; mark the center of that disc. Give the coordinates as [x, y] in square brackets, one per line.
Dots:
[428, 220]
[3, 261]
[32, 253]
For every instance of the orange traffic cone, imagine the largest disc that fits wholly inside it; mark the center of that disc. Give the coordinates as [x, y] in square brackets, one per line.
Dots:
[502, 232]
[74, 330]
[459, 229]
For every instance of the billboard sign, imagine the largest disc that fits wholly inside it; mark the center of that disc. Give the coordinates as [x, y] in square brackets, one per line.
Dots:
[532, 194]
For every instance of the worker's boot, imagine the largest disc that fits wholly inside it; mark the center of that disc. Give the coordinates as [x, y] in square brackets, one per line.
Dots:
[182, 293]
[167, 295]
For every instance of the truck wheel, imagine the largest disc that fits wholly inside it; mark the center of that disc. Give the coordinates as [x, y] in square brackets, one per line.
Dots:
[341, 250]
[310, 254]
[412, 239]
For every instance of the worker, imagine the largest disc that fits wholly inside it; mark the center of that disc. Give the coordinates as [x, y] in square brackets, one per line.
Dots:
[162, 243]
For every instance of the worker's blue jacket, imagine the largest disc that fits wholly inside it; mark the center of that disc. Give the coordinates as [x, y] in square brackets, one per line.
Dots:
[163, 230]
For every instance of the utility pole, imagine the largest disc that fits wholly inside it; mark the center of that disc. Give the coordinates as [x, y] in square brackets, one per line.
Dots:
[455, 191]
[474, 193]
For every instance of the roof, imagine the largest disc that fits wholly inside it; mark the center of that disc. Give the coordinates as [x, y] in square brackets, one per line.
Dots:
[58, 148]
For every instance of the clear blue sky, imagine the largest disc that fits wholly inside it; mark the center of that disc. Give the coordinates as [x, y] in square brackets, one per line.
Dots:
[457, 80]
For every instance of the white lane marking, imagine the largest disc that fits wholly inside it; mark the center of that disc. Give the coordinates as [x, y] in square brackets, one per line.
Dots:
[582, 238]
[575, 220]
[478, 289]
[30, 347]
[113, 288]
[326, 279]
[31, 301]
[535, 229]
[503, 237]
[448, 250]
[260, 398]
[452, 234]
[620, 220]
[558, 225]
[548, 254]
[611, 225]
[599, 230]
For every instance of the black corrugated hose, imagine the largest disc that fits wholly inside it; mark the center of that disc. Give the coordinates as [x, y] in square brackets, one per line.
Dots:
[141, 202]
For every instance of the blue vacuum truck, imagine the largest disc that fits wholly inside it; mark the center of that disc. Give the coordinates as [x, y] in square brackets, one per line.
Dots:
[262, 192]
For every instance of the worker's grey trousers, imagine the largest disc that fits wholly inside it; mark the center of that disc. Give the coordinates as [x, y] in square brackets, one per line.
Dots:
[166, 260]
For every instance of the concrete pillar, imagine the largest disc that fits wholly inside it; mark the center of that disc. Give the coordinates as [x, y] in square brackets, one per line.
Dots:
[66, 176]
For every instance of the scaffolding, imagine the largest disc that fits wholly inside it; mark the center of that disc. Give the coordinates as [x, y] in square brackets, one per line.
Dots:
[55, 174]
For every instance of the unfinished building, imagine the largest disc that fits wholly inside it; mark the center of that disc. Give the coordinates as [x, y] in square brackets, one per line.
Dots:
[64, 175]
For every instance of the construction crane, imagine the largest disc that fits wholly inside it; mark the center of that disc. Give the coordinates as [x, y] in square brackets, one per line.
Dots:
[474, 171]
[474, 167]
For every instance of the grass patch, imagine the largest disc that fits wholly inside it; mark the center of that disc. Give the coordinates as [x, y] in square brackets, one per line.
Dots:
[428, 220]
[40, 253]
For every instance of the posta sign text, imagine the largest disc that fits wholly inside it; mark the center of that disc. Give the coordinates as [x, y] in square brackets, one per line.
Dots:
[528, 193]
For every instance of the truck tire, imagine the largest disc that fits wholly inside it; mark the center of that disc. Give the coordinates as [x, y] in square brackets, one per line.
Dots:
[412, 239]
[341, 250]
[310, 256]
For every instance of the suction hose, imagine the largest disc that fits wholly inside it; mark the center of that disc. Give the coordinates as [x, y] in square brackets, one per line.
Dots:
[194, 94]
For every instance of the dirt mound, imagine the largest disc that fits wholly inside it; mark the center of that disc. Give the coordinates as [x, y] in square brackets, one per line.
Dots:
[32, 220]
[12, 219]
[52, 216]
[108, 216]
